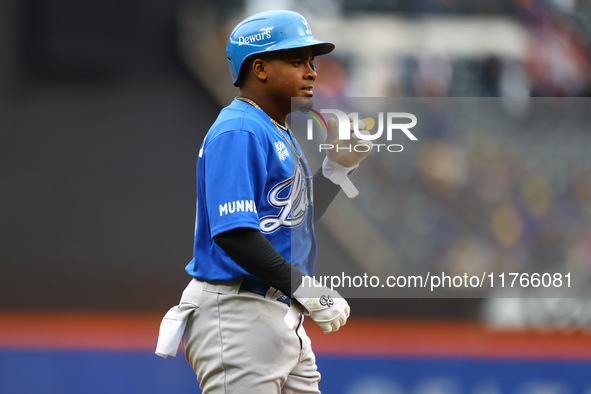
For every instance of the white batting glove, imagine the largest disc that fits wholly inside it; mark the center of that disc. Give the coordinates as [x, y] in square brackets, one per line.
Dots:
[326, 307]
[345, 155]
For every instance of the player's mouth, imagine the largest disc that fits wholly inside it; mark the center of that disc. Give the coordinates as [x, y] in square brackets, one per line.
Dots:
[308, 90]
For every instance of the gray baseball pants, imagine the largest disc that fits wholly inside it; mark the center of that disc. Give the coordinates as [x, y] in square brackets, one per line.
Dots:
[238, 343]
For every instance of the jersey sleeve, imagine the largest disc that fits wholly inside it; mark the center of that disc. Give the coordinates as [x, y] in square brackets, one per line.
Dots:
[235, 173]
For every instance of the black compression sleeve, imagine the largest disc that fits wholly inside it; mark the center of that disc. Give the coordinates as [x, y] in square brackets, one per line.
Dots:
[324, 192]
[252, 251]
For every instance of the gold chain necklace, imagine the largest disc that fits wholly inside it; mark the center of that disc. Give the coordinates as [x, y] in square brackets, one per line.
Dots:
[278, 125]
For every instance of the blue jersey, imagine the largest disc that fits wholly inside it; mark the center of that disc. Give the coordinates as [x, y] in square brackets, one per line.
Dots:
[248, 175]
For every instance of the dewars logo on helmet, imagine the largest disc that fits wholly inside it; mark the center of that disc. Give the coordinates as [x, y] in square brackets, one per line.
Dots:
[264, 34]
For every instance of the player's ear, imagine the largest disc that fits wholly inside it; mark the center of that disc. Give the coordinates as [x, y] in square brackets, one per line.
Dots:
[260, 69]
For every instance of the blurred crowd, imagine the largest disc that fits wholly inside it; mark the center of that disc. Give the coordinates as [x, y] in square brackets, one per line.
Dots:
[486, 189]
[555, 63]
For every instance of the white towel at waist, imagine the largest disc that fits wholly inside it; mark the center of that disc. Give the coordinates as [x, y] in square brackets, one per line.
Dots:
[172, 329]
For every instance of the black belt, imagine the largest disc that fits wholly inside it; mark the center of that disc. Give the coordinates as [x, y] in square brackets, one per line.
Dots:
[260, 288]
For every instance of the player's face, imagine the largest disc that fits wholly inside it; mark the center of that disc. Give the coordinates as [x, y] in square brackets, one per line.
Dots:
[292, 74]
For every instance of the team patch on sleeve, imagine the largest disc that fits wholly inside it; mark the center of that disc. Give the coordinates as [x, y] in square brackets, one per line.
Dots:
[237, 206]
[281, 150]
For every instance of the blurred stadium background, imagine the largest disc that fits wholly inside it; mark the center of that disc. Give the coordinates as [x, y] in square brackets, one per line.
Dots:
[103, 107]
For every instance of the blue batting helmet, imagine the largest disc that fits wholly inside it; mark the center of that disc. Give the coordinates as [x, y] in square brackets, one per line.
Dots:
[267, 32]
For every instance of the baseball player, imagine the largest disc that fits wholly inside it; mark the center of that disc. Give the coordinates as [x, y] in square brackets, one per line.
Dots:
[240, 317]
